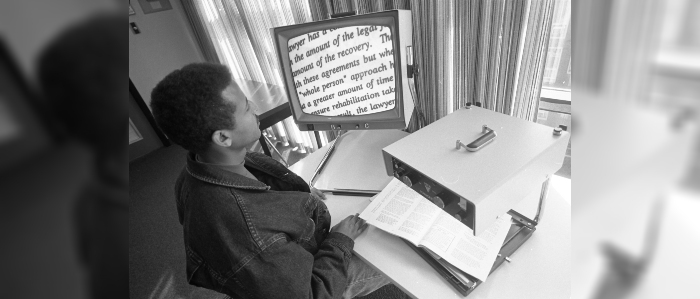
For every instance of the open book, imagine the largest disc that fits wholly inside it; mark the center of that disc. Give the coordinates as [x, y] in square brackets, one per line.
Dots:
[401, 211]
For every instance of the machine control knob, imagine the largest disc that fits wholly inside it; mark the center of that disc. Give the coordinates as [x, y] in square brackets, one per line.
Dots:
[406, 180]
[438, 201]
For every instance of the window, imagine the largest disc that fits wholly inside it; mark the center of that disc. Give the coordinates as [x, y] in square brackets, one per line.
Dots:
[557, 71]
[555, 96]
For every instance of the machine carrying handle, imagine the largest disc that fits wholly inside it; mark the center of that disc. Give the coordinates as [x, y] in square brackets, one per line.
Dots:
[480, 142]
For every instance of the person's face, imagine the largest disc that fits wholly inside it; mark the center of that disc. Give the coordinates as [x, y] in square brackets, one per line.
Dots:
[246, 124]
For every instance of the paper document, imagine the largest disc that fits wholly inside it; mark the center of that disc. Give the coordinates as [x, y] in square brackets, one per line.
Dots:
[401, 211]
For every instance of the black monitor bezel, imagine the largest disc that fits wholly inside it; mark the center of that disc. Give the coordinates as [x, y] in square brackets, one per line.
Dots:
[281, 36]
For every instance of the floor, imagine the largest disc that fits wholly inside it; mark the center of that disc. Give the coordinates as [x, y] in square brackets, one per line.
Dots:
[156, 251]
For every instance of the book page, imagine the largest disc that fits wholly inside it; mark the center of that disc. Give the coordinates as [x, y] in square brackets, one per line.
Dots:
[443, 234]
[456, 243]
[401, 211]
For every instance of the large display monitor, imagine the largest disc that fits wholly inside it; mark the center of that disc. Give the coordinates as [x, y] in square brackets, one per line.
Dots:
[348, 73]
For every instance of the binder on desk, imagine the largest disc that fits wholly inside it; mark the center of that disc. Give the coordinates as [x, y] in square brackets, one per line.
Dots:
[446, 244]
[443, 241]
[463, 282]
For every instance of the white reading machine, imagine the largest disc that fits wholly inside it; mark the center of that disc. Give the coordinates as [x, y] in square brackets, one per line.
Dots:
[476, 165]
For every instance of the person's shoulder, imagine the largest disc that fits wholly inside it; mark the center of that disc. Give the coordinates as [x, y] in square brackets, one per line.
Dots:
[188, 185]
[181, 177]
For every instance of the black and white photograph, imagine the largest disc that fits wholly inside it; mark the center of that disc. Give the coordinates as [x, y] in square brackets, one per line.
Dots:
[338, 149]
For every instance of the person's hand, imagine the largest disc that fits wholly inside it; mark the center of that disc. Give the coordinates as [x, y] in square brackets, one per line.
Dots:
[352, 226]
[317, 194]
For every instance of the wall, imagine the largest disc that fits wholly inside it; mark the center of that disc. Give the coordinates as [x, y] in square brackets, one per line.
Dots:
[166, 43]
[150, 141]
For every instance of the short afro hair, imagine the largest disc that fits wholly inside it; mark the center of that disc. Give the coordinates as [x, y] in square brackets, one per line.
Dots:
[188, 106]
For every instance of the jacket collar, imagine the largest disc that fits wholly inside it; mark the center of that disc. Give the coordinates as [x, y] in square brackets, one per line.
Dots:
[215, 175]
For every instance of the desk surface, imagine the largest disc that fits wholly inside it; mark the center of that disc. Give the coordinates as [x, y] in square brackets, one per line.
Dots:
[539, 269]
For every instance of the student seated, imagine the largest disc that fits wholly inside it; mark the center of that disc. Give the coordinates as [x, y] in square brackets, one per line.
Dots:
[252, 228]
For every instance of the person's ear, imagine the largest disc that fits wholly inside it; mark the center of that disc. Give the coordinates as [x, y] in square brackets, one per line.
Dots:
[221, 138]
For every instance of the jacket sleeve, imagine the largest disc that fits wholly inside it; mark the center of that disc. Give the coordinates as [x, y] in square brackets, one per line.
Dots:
[287, 270]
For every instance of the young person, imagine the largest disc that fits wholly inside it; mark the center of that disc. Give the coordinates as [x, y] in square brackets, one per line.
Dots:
[252, 228]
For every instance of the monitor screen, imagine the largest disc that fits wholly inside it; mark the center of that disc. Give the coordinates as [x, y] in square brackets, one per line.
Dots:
[344, 71]
[347, 73]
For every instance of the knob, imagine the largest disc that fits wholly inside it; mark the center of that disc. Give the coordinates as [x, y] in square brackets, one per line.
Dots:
[438, 201]
[406, 180]
[557, 131]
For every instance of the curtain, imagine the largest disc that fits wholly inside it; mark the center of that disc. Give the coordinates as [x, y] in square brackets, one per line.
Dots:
[201, 33]
[240, 33]
[488, 51]
[531, 70]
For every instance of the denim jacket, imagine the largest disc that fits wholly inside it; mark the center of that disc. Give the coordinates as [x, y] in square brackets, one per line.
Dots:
[265, 238]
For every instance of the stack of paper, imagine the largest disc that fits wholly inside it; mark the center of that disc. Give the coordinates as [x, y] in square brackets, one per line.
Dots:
[401, 211]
